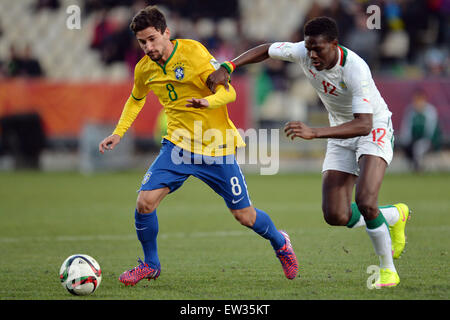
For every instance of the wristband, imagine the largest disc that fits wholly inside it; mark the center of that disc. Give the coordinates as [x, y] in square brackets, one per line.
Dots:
[229, 66]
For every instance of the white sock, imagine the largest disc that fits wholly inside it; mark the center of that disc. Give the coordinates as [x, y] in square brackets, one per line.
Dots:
[381, 241]
[361, 222]
[391, 214]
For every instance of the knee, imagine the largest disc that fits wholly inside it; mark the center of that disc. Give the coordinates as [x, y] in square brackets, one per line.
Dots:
[369, 209]
[145, 205]
[246, 216]
[335, 217]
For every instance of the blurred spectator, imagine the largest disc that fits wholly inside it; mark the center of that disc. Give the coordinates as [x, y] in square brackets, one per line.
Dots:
[46, 4]
[224, 50]
[91, 6]
[102, 30]
[194, 9]
[227, 32]
[14, 64]
[412, 41]
[206, 33]
[277, 71]
[30, 65]
[112, 35]
[3, 71]
[416, 21]
[133, 54]
[23, 137]
[440, 11]
[409, 35]
[271, 92]
[116, 45]
[362, 40]
[420, 131]
[342, 12]
[23, 64]
[436, 60]
[197, 9]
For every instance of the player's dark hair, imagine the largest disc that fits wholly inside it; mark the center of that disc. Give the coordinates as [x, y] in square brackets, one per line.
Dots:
[148, 17]
[322, 26]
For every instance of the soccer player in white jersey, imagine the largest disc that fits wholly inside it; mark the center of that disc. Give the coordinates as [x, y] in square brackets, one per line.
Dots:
[360, 136]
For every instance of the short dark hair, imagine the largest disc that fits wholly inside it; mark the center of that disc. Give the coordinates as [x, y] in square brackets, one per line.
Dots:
[148, 17]
[323, 26]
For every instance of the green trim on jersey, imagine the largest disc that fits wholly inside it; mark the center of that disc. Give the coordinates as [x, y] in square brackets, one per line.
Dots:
[137, 99]
[170, 57]
[344, 54]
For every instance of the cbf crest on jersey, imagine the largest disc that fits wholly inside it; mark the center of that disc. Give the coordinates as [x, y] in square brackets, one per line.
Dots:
[179, 71]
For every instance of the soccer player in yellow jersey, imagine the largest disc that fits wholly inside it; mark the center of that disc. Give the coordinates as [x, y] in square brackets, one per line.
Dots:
[201, 140]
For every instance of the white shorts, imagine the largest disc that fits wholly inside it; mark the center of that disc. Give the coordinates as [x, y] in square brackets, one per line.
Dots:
[343, 154]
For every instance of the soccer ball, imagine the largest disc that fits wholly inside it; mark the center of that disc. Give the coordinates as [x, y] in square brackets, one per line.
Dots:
[80, 274]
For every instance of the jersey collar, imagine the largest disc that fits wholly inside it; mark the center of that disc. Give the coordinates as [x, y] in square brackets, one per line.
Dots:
[163, 67]
[342, 55]
[342, 52]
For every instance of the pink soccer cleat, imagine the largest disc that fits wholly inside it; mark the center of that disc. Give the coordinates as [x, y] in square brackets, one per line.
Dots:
[142, 271]
[287, 258]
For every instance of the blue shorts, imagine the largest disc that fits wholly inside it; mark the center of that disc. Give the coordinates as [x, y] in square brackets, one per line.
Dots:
[174, 165]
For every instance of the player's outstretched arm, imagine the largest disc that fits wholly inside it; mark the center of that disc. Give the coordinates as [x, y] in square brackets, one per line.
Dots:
[254, 55]
[108, 143]
[222, 76]
[359, 126]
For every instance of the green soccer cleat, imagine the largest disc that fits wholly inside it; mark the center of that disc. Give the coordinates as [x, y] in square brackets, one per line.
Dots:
[387, 279]
[397, 231]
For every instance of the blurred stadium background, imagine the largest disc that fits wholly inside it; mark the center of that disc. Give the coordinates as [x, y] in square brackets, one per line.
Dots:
[62, 90]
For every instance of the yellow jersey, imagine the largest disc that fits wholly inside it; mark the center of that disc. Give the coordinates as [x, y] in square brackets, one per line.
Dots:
[183, 76]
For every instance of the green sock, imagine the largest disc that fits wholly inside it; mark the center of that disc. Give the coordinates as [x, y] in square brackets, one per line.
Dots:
[356, 216]
[378, 221]
[390, 214]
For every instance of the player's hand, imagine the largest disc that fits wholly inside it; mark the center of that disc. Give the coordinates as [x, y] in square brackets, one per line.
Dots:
[220, 76]
[108, 143]
[197, 103]
[298, 129]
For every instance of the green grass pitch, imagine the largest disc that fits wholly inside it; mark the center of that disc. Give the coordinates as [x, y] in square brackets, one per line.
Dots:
[206, 254]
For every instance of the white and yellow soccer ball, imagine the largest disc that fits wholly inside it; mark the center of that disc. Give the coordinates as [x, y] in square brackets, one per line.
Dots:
[80, 274]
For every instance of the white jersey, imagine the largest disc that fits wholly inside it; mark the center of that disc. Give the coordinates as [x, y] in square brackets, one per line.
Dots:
[345, 89]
